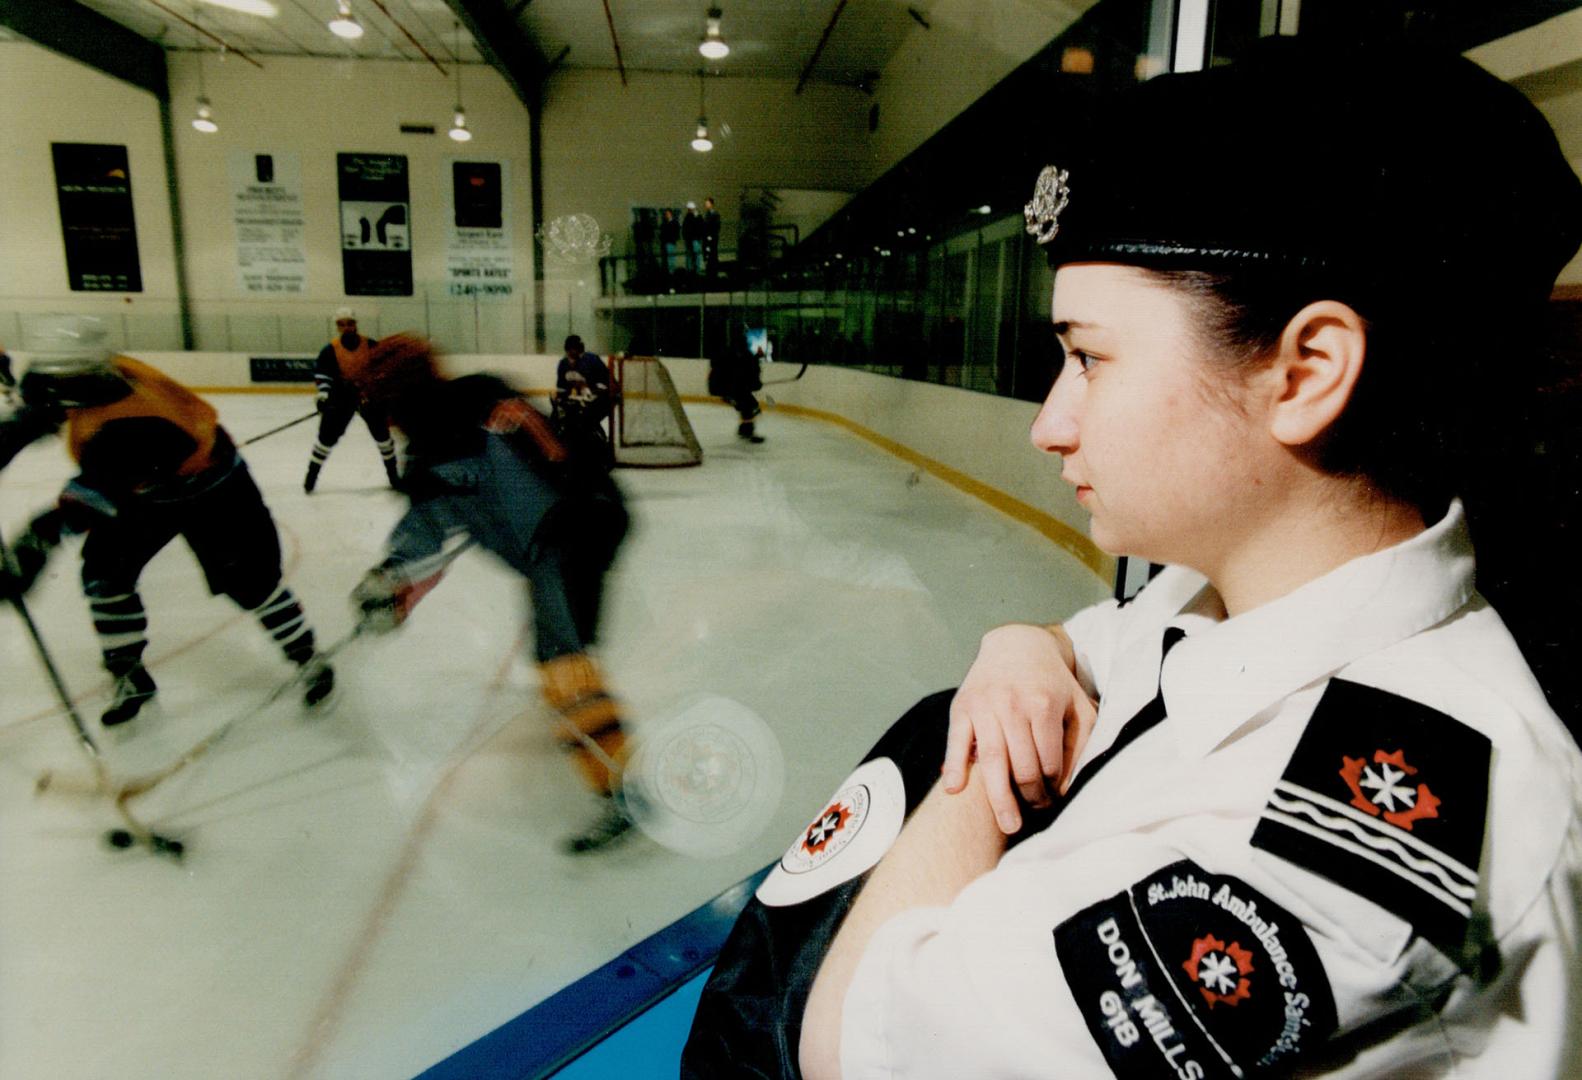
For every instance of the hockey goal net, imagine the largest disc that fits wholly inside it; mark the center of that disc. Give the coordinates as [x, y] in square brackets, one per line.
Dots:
[651, 430]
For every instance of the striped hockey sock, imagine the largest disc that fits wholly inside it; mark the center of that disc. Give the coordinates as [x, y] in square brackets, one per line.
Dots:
[387, 451]
[283, 619]
[573, 687]
[122, 626]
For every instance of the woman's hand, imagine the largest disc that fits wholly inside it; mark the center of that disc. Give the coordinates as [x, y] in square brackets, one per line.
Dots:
[1026, 714]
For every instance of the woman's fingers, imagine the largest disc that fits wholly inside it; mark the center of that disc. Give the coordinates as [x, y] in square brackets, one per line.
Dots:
[958, 747]
[994, 770]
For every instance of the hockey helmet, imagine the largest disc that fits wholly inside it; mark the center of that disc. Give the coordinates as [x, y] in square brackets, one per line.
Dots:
[69, 364]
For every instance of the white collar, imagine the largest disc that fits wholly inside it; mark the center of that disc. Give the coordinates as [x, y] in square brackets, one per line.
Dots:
[1224, 673]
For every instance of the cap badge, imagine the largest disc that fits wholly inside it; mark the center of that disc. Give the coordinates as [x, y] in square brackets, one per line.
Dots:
[1049, 198]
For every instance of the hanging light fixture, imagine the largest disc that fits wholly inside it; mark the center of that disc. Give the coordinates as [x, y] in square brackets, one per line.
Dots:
[345, 24]
[701, 141]
[459, 120]
[204, 120]
[713, 46]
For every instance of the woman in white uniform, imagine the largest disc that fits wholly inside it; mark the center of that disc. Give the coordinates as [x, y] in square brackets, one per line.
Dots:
[1301, 805]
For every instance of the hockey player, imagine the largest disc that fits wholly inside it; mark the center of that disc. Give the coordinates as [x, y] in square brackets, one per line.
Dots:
[484, 462]
[735, 377]
[338, 362]
[154, 464]
[583, 400]
[7, 381]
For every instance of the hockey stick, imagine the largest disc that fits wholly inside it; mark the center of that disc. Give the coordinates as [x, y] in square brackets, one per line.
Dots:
[282, 427]
[142, 785]
[146, 783]
[135, 831]
[792, 379]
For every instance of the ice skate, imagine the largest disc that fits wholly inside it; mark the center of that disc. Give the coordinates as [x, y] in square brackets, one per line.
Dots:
[318, 678]
[608, 828]
[132, 691]
[311, 480]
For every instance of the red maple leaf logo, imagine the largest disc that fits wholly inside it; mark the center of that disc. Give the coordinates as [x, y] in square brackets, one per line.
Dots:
[825, 827]
[1220, 970]
[1397, 802]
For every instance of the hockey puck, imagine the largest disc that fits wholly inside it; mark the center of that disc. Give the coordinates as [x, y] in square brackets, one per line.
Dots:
[170, 847]
[119, 838]
[705, 780]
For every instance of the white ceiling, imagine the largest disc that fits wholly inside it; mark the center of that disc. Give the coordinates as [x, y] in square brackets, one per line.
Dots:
[772, 38]
[300, 29]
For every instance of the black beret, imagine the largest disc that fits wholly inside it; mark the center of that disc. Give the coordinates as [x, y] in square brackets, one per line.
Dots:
[1389, 165]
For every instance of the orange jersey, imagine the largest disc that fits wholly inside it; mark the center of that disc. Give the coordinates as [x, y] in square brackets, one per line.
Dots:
[154, 395]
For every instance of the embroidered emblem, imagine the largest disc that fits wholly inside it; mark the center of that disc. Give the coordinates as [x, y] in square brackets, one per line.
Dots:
[1381, 792]
[1220, 970]
[1050, 195]
[829, 823]
[1371, 823]
[1189, 973]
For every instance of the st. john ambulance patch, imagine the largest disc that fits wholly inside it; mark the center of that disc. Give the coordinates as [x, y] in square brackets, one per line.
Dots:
[1386, 797]
[1189, 973]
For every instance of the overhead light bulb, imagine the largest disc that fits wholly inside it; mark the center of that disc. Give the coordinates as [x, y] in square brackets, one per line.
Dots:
[204, 121]
[701, 142]
[458, 126]
[345, 24]
[263, 8]
[713, 46]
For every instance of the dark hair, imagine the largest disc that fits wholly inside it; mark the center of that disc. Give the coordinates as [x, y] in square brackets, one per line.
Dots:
[573, 341]
[1456, 398]
[1407, 428]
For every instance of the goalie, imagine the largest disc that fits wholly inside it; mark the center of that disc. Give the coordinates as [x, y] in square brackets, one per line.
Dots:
[483, 462]
[583, 400]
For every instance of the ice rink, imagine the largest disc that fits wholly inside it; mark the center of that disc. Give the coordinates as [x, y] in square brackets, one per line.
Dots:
[369, 889]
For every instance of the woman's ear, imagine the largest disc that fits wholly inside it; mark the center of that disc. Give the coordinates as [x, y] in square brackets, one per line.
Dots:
[1317, 363]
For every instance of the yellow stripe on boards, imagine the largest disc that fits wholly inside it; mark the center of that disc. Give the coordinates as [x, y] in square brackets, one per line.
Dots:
[1052, 528]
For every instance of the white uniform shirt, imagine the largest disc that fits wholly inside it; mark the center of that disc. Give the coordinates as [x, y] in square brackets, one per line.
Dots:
[1354, 832]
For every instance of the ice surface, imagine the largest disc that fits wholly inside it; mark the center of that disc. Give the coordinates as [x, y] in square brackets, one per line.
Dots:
[369, 890]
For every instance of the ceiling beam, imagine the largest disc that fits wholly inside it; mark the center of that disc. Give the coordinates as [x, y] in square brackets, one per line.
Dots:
[84, 35]
[502, 41]
[828, 29]
[399, 25]
[225, 46]
[620, 65]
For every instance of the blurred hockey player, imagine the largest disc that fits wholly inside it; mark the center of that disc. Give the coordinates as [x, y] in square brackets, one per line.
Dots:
[735, 376]
[154, 464]
[338, 362]
[9, 399]
[583, 400]
[485, 463]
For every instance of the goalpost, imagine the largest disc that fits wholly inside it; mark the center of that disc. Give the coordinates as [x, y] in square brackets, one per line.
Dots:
[650, 427]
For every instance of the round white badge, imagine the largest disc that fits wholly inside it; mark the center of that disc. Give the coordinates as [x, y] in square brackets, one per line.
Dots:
[850, 834]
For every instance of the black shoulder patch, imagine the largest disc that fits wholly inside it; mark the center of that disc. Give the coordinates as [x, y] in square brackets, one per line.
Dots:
[1388, 798]
[1192, 974]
